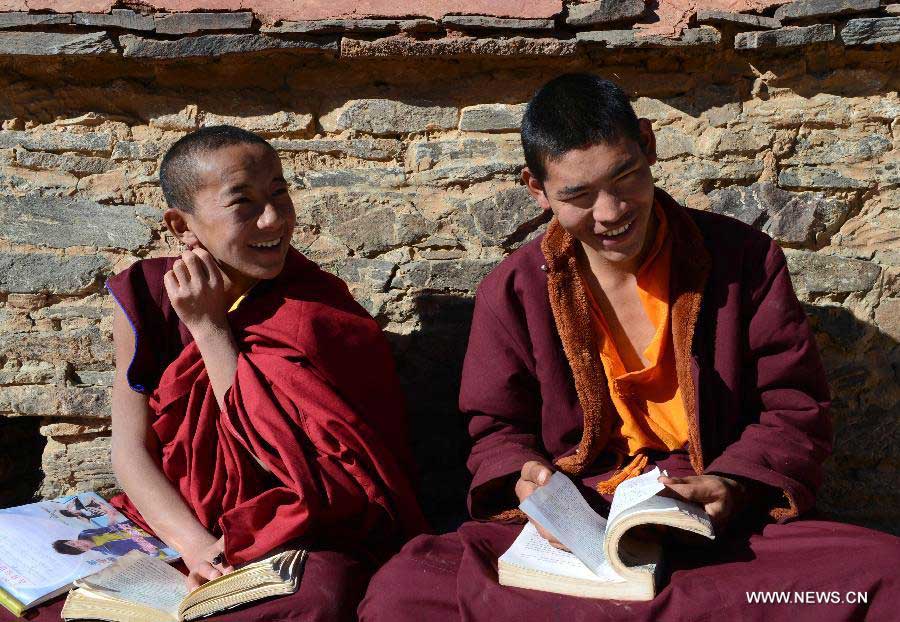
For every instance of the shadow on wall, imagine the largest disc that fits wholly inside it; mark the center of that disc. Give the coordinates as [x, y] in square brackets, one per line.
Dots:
[21, 447]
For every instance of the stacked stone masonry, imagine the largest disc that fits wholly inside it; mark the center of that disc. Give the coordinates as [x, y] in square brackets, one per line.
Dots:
[399, 137]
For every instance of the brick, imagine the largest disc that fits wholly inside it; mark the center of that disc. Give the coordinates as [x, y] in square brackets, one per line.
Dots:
[218, 45]
[791, 36]
[55, 44]
[189, 23]
[605, 12]
[393, 177]
[328, 26]
[378, 149]
[277, 123]
[807, 9]
[492, 117]
[118, 18]
[38, 272]
[737, 20]
[18, 19]
[61, 222]
[690, 37]
[74, 164]
[132, 150]
[95, 142]
[483, 22]
[402, 46]
[386, 116]
[869, 31]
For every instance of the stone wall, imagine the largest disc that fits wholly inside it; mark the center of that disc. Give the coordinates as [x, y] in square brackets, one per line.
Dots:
[399, 137]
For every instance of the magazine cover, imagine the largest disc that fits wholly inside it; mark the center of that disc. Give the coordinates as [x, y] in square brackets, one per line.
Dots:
[47, 545]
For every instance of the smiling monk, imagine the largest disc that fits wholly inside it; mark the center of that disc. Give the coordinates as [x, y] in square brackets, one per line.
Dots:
[636, 333]
[255, 403]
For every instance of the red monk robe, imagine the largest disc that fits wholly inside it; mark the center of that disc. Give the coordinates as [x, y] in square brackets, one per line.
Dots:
[315, 398]
[755, 394]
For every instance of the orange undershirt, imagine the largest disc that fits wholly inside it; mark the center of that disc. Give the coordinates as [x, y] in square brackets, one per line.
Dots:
[648, 400]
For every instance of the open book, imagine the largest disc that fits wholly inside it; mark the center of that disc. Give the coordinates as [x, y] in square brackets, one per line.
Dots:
[138, 588]
[605, 560]
[47, 545]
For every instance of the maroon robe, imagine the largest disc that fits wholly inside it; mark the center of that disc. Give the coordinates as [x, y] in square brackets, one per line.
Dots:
[315, 398]
[756, 399]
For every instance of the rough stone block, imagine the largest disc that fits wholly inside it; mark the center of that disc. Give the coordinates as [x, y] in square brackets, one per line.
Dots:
[690, 37]
[393, 177]
[218, 45]
[466, 161]
[185, 120]
[483, 22]
[55, 44]
[806, 9]
[60, 222]
[816, 273]
[784, 37]
[326, 26]
[734, 140]
[605, 12]
[373, 273]
[498, 220]
[82, 347]
[118, 18]
[95, 142]
[369, 224]
[17, 19]
[188, 23]
[491, 117]
[892, 9]
[132, 150]
[276, 123]
[79, 165]
[378, 149]
[795, 218]
[869, 31]
[459, 275]
[738, 20]
[829, 147]
[38, 272]
[402, 46]
[817, 177]
[672, 143]
[387, 116]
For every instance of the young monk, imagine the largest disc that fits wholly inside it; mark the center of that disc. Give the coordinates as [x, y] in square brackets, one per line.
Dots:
[636, 333]
[255, 403]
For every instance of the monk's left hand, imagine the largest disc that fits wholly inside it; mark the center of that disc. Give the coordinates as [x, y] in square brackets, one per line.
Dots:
[721, 497]
[196, 288]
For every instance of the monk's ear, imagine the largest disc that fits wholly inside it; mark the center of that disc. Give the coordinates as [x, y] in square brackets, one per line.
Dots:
[535, 188]
[177, 223]
[648, 140]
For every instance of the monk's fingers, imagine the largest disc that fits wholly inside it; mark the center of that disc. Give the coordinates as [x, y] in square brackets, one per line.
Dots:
[524, 489]
[536, 472]
[195, 266]
[181, 273]
[170, 281]
[696, 492]
[214, 273]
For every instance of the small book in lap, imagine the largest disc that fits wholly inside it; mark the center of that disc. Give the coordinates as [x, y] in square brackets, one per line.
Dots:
[138, 588]
[609, 558]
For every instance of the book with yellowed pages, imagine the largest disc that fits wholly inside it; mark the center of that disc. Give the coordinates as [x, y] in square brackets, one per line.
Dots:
[615, 558]
[138, 588]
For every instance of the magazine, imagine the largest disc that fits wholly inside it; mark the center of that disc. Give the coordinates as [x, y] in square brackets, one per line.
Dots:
[46, 546]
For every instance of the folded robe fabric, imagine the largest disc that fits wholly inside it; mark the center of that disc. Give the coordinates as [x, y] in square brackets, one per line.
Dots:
[316, 400]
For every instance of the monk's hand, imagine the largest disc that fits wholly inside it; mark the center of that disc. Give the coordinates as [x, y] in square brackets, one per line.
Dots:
[535, 474]
[205, 562]
[721, 497]
[196, 288]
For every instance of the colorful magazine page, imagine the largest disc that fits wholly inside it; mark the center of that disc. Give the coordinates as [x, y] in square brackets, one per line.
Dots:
[47, 545]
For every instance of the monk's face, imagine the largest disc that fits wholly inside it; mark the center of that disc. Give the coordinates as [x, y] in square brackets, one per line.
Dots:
[603, 196]
[242, 213]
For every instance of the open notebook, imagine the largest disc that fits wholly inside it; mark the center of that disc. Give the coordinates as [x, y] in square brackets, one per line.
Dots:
[606, 561]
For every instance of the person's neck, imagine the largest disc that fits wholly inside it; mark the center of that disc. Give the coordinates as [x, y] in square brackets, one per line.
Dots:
[236, 285]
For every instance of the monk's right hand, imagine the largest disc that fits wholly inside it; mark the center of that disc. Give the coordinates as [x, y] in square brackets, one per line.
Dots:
[200, 562]
[533, 475]
[196, 288]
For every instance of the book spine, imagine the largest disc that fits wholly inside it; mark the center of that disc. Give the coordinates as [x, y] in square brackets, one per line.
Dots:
[12, 603]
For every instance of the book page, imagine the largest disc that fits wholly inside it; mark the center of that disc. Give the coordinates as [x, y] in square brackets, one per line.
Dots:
[635, 490]
[564, 512]
[139, 578]
[531, 551]
[658, 504]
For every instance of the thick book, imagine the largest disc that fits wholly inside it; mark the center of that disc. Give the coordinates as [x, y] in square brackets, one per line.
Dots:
[46, 546]
[138, 588]
[609, 558]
